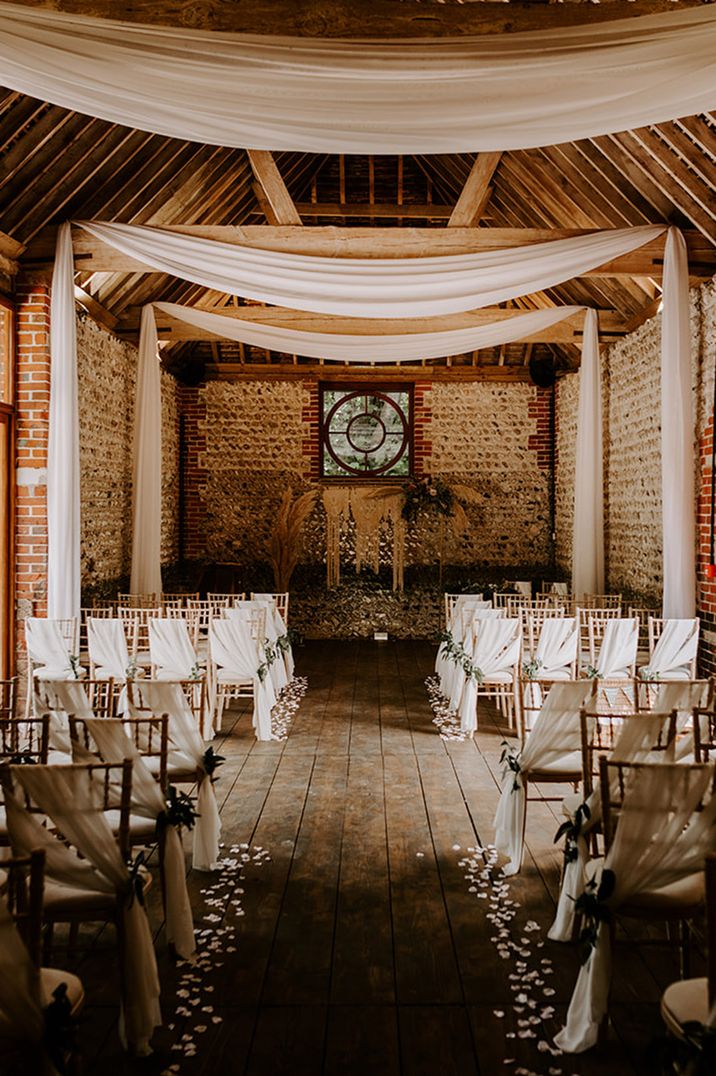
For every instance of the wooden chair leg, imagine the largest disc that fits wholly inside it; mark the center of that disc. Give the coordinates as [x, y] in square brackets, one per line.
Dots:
[684, 948]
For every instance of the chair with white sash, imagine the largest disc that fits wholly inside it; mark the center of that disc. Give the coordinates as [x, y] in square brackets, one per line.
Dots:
[673, 649]
[280, 599]
[108, 650]
[554, 658]
[263, 618]
[452, 659]
[452, 600]
[174, 658]
[652, 869]
[51, 652]
[240, 670]
[614, 663]
[279, 610]
[493, 663]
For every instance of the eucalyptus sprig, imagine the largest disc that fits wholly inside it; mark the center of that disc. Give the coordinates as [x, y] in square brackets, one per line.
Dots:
[571, 830]
[530, 669]
[211, 761]
[509, 759]
[262, 671]
[75, 666]
[592, 906]
[593, 674]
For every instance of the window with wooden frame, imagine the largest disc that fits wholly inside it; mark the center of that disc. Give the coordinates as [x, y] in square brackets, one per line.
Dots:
[366, 430]
[7, 417]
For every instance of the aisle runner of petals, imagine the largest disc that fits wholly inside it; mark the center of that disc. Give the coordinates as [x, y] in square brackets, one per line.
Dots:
[530, 978]
[286, 706]
[447, 721]
[216, 930]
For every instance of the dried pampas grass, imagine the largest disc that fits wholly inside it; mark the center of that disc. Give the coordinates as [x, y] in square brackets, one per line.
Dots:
[285, 542]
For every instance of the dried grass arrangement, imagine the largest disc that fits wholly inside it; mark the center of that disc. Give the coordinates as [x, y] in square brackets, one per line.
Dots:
[286, 538]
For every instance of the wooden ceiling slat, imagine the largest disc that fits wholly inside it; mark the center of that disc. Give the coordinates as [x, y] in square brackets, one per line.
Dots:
[703, 131]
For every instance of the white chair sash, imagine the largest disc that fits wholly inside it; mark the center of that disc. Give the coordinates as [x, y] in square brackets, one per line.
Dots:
[557, 646]
[60, 698]
[238, 658]
[555, 736]
[67, 794]
[107, 645]
[242, 612]
[47, 649]
[674, 652]
[617, 654]
[170, 649]
[496, 652]
[165, 697]
[114, 746]
[661, 837]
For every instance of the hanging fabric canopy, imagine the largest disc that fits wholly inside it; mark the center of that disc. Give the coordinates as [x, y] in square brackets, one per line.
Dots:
[449, 95]
[361, 349]
[678, 501]
[588, 532]
[63, 449]
[371, 287]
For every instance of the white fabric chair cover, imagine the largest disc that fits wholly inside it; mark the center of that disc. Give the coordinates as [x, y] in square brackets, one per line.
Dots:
[554, 743]
[674, 652]
[238, 657]
[170, 649]
[466, 607]
[281, 632]
[67, 794]
[114, 746]
[660, 838]
[60, 698]
[242, 611]
[165, 697]
[21, 1015]
[107, 646]
[470, 614]
[496, 653]
[562, 589]
[47, 649]
[617, 654]
[557, 647]
[523, 586]
[634, 743]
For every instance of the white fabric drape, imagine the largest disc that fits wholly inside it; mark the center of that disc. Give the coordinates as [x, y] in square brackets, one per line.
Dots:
[588, 531]
[674, 652]
[114, 746]
[471, 612]
[237, 657]
[47, 649]
[68, 796]
[354, 348]
[678, 507]
[495, 653]
[22, 1020]
[554, 743]
[617, 653]
[448, 95]
[170, 649]
[63, 448]
[146, 575]
[557, 647]
[244, 612]
[370, 287]
[661, 837]
[107, 646]
[164, 697]
[281, 631]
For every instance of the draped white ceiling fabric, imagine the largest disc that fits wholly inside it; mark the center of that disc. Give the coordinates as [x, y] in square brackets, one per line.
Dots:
[63, 450]
[588, 532]
[678, 499]
[371, 287]
[146, 576]
[448, 95]
[362, 349]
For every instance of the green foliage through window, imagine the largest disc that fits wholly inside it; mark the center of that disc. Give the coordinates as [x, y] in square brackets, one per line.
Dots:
[366, 432]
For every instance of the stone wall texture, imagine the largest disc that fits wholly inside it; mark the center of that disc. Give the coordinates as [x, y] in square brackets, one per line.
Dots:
[632, 454]
[107, 375]
[256, 439]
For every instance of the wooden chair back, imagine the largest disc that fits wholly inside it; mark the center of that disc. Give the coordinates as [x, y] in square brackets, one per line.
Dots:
[26, 740]
[206, 610]
[106, 611]
[599, 734]
[592, 624]
[23, 889]
[602, 601]
[139, 601]
[704, 727]
[8, 698]
[281, 600]
[149, 734]
[643, 615]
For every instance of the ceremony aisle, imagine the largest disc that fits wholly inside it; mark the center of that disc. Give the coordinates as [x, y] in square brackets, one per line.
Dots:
[359, 922]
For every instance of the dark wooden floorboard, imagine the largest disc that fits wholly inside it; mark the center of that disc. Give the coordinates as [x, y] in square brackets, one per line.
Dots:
[360, 949]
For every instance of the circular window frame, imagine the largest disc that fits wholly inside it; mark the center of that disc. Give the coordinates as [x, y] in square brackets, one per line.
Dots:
[353, 392]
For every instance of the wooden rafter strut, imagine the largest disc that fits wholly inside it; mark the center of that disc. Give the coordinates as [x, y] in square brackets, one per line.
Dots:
[274, 198]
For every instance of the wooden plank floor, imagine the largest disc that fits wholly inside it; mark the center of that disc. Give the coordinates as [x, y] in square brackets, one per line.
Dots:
[353, 943]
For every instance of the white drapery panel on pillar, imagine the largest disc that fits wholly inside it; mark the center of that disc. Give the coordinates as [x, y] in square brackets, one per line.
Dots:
[588, 533]
[146, 577]
[359, 348]
[450, 95]
[370, 287]
[63, 449]
[678, 506]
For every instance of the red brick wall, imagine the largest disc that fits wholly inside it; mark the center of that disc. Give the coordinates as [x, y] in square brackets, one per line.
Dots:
[192, 412]
[423, 417]
[706, 588]
[311, 448]
[541, 442]
[33, 414]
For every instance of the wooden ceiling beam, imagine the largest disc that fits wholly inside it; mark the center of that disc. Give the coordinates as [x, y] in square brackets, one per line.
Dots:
[10, 251]
[92, 255]
[476, 193]
[567, 331]
[356, 18]
[271, 182]
[314, 371]
[377, 210]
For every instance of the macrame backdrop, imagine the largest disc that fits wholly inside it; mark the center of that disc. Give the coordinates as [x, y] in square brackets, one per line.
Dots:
[372, 514]
[449, 95]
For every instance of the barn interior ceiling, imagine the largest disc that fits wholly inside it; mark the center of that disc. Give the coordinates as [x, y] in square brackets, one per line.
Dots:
[58, 165]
